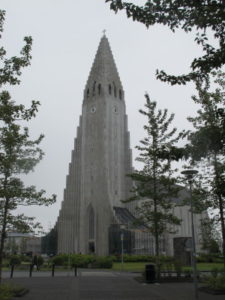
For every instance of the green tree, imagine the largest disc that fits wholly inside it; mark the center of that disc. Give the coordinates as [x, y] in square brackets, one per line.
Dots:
[210, 236]
[155, 185]
[202, 16]
[18, 153]
[207, 145]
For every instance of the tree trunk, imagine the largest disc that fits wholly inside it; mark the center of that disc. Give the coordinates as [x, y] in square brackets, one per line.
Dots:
[156, 230]
[156, 227]
[221, 209]
[3, 234]
[156, 233]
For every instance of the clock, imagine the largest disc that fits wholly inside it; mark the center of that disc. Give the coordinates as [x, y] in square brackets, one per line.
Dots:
[93, 109]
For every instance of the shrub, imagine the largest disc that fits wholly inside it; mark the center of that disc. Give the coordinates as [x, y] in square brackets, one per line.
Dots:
[6, 292]
[5, 263]
[40, 260]
[73, 260]
[25, 258]
[209, 257]
[114, 258]
[178, 266]
[201, 258]
[103, 262]
[218, 259]
[164, 261]
[14, 260]
[168, 265]
[59, 260]
[216, 282]
[117, 257]
[80, 260]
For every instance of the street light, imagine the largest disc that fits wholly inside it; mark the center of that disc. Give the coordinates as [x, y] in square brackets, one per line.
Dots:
[122, 227]
[189, 174]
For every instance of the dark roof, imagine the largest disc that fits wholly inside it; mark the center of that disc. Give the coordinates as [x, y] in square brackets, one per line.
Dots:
[125, 217]
[179, 199]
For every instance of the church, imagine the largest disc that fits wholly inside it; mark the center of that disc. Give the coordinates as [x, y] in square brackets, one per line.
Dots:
[92, 218]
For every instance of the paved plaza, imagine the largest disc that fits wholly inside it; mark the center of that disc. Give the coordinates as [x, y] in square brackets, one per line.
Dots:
[101, 285]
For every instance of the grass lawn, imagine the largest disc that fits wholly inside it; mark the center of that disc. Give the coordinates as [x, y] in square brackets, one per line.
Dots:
[140, 266]
[129, 266]
[208, 266]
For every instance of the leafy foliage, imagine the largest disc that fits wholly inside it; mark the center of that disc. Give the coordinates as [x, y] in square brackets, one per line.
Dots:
[210, 237]
[103, 262]
[82, 261]
[15, 260]
[73, 260]
[6, 292]
[40, 260]
[18, 153]
[202, 16]
[60, 260]
[216, 282]
[155, 184]
[209, 258]
[207, 145]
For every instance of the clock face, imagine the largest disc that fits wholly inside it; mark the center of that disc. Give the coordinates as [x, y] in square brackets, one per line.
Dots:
[93, 109]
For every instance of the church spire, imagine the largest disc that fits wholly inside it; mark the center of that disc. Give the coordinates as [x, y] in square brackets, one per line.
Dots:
[104, 73]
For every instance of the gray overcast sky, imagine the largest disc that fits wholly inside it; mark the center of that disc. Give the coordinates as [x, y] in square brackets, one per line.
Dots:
[66, 35]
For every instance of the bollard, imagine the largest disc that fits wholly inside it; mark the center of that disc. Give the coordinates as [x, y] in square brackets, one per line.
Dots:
[12, 270]
[31, 269]
[53, 270]
[75, 271]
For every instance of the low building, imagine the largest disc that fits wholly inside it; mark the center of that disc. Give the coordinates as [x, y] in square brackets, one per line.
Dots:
[22, 243]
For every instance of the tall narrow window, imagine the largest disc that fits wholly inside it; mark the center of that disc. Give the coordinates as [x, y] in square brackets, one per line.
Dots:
[91, 223]
[110, 89]
[93, 89]
[115, 92]
[99, 89]
[120, 95]
[87, 93]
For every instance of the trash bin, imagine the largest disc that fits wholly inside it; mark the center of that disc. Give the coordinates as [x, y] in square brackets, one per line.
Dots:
[150, 273]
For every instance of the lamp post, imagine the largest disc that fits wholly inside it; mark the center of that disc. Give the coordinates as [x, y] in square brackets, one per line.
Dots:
[122, 227]
[189, 174]
[68, 273]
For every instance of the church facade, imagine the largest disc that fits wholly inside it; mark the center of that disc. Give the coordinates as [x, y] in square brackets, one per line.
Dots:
[101, 159]
[92, 216]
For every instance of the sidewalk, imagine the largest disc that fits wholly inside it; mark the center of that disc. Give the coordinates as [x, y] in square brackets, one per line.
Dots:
[100, 285]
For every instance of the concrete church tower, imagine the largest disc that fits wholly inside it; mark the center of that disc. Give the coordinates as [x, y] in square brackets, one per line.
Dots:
[101, 159]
